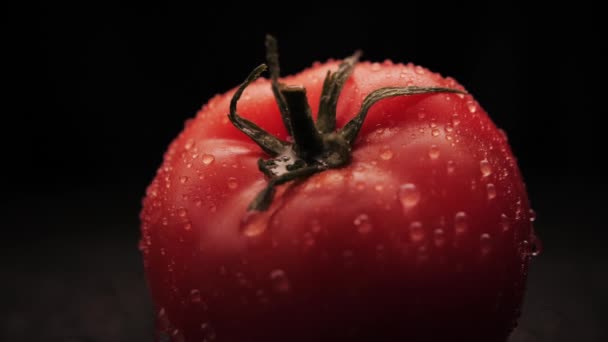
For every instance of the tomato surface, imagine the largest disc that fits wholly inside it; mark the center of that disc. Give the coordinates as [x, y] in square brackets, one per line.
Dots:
[425, 235]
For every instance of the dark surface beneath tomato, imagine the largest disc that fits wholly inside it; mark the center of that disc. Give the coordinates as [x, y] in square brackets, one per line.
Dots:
[89, 285]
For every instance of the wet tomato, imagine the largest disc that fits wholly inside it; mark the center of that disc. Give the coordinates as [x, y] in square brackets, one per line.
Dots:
[350, 202]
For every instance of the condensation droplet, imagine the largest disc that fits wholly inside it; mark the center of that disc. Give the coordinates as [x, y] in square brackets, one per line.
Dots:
[419, 70]
[435, 132]
[484, 167]
[182, 212]
[460, 222]
[363, 224]
[455, 119]
[472, 107]
[409, 196]
[504, 223]
[188, 226]
[253, 223]
[451, 167]
[485, 244]
[491, 191]
[183, 179]
[280, 282]
[208, 159]
[532, 215]
[232, 183]
[375, 66]
[198, 202]
[164, 221]
[434, 152]
[387, 154]
[421, 115]
[536, 245]
[189, 144]
[439, 237]
[195, 296]
[416, 231]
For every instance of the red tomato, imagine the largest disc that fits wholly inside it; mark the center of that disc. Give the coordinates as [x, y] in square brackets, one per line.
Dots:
[420, 230]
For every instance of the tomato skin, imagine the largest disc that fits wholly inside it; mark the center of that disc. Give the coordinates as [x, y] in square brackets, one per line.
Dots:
[425, 236]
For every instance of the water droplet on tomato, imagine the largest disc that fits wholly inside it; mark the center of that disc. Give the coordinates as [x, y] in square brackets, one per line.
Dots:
[387, 154]
[485, 244]
[164, 221]
[363, 224]
[419, 70]
[504, 223]
[455, 119]
[232, 183]
[253, 223]
[189, 144]
[484, 167]
[182, 212]
[280, 282]
[460, 222]
[375, 66]
[421, 115]
[439, 237]
[188, 226]
[434, 152]
[536, 245]
[435, 132]
[416, 231]
[195, 296]
[183, 179]
[532, 215]
[491, 191]
[451, 167]
[409, 196]
[472, 106]
[208, 159]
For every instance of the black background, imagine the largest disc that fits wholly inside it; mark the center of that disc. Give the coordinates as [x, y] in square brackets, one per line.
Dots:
[96, 92]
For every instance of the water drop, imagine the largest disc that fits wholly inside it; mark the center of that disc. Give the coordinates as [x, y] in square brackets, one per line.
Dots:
[280, 282]
[532, 215]
[434, 152]
[387, 154]
[537, 245]
[416, 231]
[451, 167]
[485, 243]
[421, 115]
[504, 223]
[460, 222]
[195, 296]
[419, 70]
[189, 144]
[439, 237]
[198, 202]
[455, 119]
[182, 212]
[208, 159]
[491, 191]
[472, 107]
[363, 224]
[188, 226]
[183, 179]
[232, 183]
[435, 132]
[375, 66]
[253, 223]
[484, 167]
[165, 221]
[409, 196]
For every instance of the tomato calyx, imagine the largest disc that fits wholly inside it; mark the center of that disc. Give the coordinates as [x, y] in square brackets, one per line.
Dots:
[316, 147]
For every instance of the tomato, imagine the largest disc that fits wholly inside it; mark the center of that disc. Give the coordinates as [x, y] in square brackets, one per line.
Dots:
[410, 223]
